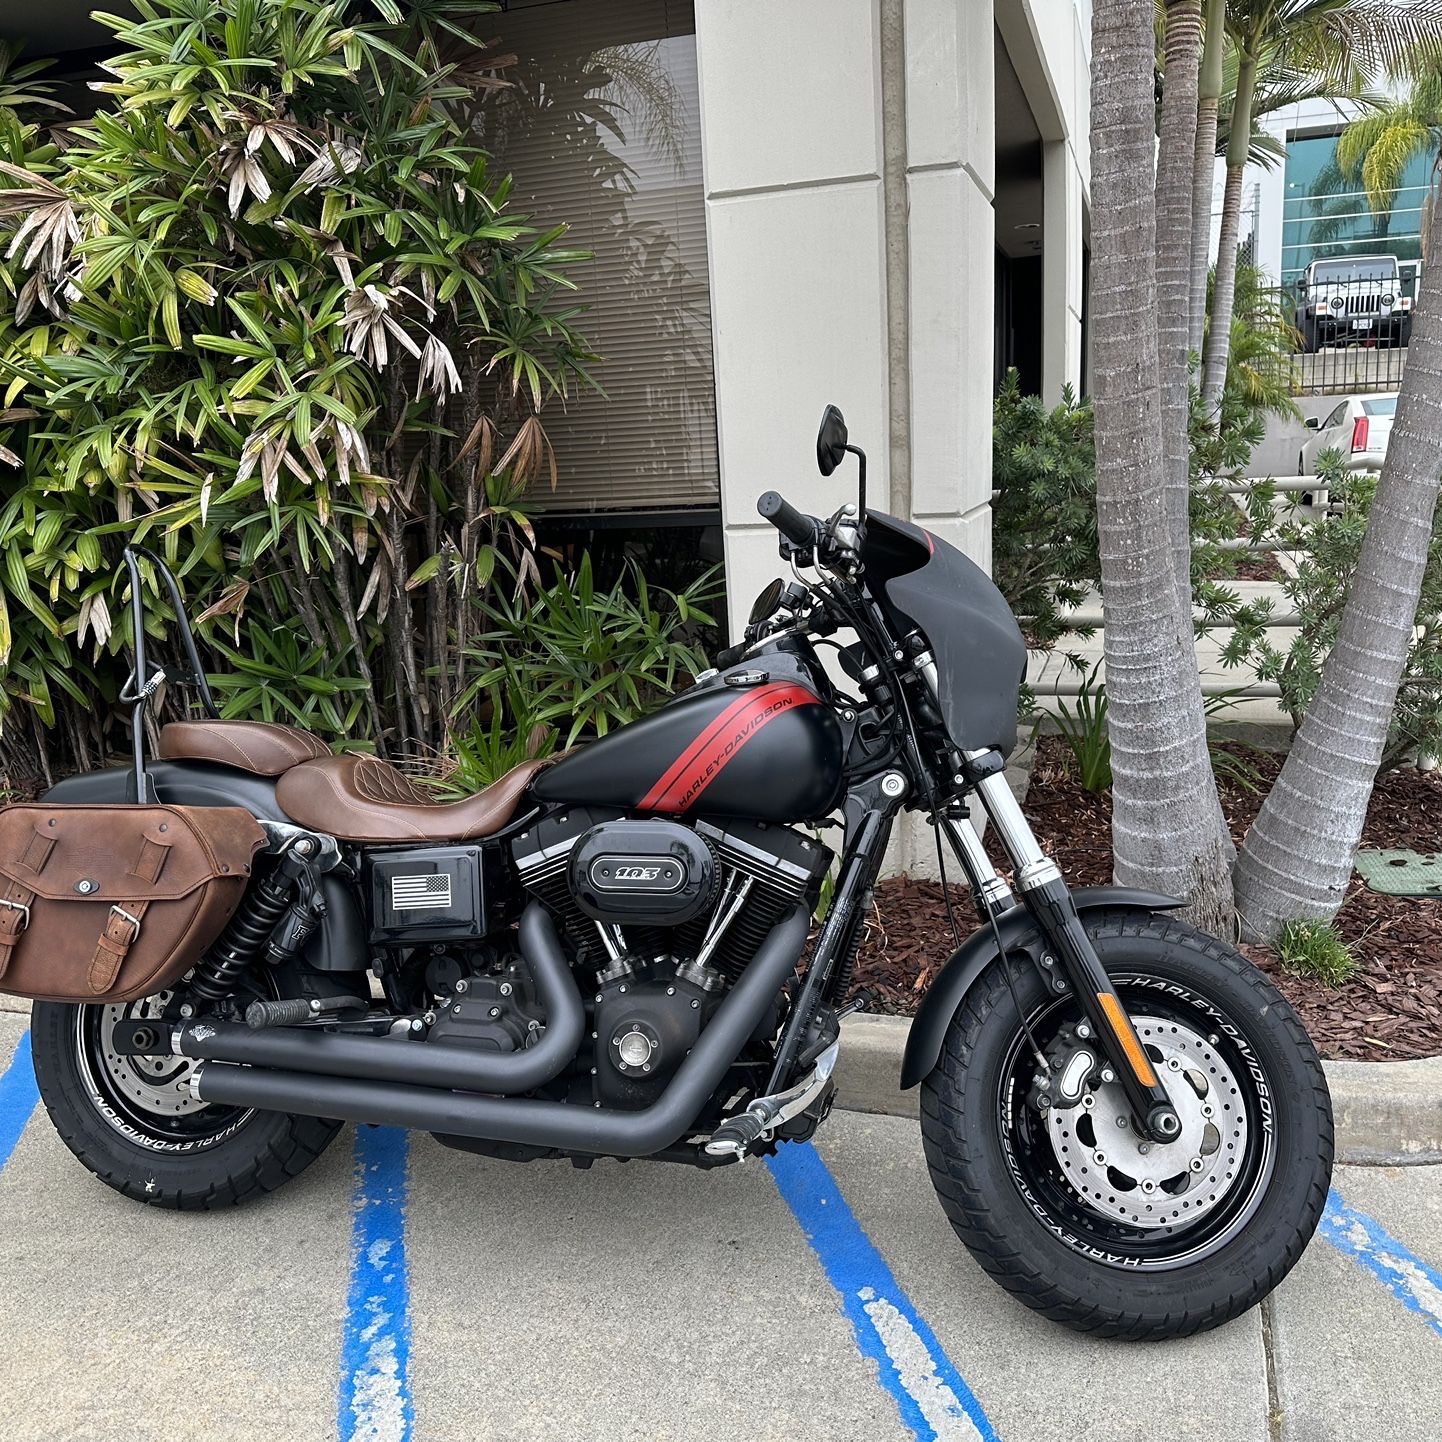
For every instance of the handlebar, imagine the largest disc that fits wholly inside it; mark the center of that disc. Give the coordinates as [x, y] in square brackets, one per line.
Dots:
[800, 529]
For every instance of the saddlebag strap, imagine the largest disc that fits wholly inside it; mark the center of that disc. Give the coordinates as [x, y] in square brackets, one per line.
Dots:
[122, 923]
[122, 927]
[16, 898]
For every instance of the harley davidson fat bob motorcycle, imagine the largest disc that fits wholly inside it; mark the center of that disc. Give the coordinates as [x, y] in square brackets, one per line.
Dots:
[611, 954]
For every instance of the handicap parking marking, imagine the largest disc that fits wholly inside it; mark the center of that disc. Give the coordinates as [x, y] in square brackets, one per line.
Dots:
[1417, 1285]
[19, 1097]
[375, 1395]
[928, 1391]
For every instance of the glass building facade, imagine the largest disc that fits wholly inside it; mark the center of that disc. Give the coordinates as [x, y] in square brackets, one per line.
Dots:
[1325, 213]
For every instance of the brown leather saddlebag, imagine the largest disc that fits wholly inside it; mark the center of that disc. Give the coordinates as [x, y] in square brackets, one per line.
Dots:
[111, 903]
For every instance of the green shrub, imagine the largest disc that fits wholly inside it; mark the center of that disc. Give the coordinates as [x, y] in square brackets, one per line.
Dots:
[572, 661]
[271, 314]
[1327, 545]
[1044, 525]
[1314, 949]
[1085, 733]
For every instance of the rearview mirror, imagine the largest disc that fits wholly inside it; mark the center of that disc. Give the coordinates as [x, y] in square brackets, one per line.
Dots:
[830, 441]
[1313, 423]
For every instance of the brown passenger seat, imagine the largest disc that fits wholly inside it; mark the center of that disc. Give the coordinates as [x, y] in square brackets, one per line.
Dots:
[361, 798]
[261, 747]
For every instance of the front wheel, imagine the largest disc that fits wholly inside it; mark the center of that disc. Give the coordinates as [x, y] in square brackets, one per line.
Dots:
[1077, 1214]
[134, 1123]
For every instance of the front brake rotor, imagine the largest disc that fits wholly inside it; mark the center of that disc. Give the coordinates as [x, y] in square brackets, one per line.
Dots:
[1120, 1172]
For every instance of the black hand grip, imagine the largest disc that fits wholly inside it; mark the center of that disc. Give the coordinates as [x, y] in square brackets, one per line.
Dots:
[793, 524]
[730, 656]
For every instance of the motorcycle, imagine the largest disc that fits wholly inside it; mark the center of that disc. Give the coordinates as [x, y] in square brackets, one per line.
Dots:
[606, 954]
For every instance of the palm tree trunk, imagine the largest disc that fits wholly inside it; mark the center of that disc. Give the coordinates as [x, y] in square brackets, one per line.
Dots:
[1219, 341]
[1298, 856]
[1175, 167]
[1209, 92]
[1167, 827]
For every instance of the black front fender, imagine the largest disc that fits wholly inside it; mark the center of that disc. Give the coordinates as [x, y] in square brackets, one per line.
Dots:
[1018, 933]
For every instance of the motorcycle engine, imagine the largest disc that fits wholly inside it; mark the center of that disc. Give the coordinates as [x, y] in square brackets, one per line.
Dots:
[665, 916]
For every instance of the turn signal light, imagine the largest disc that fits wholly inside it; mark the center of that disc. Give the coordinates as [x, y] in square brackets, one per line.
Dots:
[1360, 428]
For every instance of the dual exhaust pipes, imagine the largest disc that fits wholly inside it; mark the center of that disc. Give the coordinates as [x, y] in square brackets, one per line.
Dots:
[391, 1081]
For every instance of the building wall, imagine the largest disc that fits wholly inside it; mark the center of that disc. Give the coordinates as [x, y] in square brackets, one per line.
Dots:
[848, 160]
[1049, 43]
[847, 154]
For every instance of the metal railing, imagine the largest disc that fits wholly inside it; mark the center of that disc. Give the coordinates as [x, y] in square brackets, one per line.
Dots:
[1089, 617]
[1347, 335]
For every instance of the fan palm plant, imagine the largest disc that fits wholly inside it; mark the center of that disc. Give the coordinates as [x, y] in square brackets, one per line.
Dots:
[1378, 148]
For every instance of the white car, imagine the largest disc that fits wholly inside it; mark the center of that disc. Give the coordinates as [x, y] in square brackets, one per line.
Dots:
[1358, 426]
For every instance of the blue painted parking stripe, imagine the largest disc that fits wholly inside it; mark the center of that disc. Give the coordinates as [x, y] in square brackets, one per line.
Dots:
[1406, 1276]
[375, 1393]
[929, 1392]
[18, 1097]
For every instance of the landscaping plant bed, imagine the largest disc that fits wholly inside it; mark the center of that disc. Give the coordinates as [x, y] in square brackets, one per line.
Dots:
[1390, 1011]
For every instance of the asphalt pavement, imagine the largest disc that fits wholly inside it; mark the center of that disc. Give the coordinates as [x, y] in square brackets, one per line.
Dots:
[402, 1291]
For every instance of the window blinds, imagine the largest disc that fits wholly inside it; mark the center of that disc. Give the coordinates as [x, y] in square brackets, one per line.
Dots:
[601, 130]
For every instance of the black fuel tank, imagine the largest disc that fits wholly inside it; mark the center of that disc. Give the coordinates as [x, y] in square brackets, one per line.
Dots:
[770, 751]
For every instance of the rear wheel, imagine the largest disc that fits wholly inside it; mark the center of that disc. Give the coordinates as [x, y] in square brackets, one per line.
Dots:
[1081, 1217]
[134, 1123]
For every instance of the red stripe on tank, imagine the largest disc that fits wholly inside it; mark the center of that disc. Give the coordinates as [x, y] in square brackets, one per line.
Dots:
[712, 751]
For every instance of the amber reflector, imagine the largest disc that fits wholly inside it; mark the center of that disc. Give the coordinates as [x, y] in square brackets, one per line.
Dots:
[1141, 1064]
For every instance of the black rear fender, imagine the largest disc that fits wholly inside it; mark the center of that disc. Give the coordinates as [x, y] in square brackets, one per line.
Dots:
[339, 944]
[1019, 933]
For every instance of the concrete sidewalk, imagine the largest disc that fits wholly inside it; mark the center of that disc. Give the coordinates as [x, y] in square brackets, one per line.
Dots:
[650, 1302]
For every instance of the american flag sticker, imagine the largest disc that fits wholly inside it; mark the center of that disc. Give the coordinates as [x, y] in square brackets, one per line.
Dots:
[413, 893]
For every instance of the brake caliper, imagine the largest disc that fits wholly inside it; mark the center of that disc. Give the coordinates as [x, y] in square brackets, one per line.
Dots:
[1073, 1058]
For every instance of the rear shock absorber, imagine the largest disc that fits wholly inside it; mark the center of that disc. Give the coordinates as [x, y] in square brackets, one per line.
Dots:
[241, 943]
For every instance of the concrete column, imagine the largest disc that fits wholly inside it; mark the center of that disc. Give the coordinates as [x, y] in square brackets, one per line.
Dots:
[791, 121]
[949, 77]
[1061, 355]
[849, 157]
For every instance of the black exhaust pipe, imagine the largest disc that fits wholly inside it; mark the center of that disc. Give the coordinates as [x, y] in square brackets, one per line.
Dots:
[397, 1059]
[523, 1119]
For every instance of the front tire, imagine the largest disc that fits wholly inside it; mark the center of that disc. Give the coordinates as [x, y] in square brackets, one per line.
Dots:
[132, 1122]
[1062, 1210]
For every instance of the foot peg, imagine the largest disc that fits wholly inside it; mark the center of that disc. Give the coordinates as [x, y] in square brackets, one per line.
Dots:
[736, 1135]
[294, 1010]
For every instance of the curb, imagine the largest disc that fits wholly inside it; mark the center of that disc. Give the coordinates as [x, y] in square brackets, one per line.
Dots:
[1386, 1113]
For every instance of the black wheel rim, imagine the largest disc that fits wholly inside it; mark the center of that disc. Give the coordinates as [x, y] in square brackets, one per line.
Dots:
[1053, 1199]
[146, 1102]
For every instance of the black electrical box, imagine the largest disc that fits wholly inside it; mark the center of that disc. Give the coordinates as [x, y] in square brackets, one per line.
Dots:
[423, 894]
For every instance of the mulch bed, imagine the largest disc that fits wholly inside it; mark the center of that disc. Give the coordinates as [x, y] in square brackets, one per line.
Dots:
[1391, 1011]
[1263, 567]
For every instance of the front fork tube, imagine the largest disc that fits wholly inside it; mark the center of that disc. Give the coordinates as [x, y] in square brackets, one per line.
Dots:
[1049, 900]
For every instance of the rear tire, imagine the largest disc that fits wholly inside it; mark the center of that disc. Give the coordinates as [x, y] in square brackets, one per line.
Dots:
[999, 1177]
[136, 1129]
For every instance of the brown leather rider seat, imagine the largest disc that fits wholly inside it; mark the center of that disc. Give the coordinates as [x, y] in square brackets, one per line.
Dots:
[261, 747]
[361, 798]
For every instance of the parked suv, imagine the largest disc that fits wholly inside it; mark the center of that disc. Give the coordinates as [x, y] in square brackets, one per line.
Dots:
[1353, 298]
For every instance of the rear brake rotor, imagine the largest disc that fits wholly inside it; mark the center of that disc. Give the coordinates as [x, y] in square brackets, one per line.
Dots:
[1123, 1174]
[156, 1084]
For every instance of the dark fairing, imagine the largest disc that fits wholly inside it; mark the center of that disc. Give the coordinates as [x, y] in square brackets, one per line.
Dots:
[928, 585]
[340, 945]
